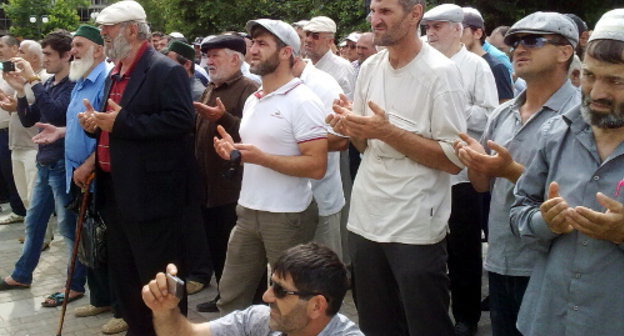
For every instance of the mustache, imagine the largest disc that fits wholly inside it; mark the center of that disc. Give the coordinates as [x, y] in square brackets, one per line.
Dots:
[601, 101]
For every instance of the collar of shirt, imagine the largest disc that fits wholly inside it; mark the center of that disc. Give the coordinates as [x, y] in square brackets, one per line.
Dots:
[283, 90]
[556, 102]
[138, 56]
[93, 75]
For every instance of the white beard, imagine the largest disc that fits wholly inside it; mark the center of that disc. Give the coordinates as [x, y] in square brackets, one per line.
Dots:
[78, 67]
[119, 47]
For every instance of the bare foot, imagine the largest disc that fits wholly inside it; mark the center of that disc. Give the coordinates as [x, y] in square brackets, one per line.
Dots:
[12, 282]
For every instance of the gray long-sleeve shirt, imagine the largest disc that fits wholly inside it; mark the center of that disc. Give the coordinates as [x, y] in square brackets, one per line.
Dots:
[576, 285]
[507, 255]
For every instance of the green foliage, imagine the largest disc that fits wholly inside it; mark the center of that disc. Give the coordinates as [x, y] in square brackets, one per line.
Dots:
[60, 13]
[203, 17]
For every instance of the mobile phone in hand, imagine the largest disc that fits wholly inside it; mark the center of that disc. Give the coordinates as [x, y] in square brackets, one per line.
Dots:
[8, 66]
[175, 286]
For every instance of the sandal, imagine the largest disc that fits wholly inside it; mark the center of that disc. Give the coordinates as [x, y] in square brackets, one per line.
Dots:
[57, 299]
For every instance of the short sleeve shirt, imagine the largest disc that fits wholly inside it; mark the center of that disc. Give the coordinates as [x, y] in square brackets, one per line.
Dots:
[277, 123]
[254, 321]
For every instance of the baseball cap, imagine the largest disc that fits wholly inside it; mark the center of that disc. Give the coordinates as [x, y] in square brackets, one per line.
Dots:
[610, 26]
[444, 12]
[353, 37]
[321, 24]
[122, 11]
[280, 29]
[542, 23]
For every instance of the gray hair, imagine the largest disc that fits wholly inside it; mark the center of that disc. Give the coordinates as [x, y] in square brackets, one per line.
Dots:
[142, 28]
[230, 52]
[32, 47]
[10, 40]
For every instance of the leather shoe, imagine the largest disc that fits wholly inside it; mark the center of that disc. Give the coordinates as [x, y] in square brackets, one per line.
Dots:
[465, 329]
[208, 307]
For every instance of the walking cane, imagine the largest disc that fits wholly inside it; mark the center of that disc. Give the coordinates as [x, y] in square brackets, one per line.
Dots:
[72, 264]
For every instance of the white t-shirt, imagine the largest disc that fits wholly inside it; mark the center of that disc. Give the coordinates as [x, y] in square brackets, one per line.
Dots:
[277, 123]
[394, 198]
[481, 96]
[328, 192]
[340, 69]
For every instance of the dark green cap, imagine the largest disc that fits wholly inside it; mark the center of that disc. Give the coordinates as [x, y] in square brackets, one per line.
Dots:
[91, 33]
[183, 49]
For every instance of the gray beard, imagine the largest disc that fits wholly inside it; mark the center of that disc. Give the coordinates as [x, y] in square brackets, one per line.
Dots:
[120, 48]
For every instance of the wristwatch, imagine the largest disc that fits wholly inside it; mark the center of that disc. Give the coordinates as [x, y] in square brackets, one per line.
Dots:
[33, 78]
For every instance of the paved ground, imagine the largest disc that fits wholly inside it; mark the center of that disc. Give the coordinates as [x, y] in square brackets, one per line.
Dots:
[21, 313]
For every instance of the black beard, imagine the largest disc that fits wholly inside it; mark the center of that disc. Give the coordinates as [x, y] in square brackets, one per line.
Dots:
[615, 119]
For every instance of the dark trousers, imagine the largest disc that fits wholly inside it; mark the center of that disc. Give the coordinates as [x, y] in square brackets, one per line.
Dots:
[199, 257]
[6, 169]
[136, 252]
[506, 294]
[218, 223]
[464, 248]
[401, 289]
[100, 293]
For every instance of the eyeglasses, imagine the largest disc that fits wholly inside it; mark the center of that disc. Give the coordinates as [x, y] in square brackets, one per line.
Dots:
[315, 36]
[532, 41]
[280, 292]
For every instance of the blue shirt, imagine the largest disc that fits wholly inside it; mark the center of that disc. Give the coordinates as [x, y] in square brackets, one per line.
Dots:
[576, 285]
[499, 55]
[507, 254]
[49, 107]
[78, 146]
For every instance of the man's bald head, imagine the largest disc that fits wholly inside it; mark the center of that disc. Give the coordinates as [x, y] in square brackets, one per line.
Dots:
[365, 46]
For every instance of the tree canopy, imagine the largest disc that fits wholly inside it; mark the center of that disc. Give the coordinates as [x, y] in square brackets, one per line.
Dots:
[60, 14]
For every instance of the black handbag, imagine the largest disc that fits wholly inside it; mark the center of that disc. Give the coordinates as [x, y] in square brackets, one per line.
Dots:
[92, 247]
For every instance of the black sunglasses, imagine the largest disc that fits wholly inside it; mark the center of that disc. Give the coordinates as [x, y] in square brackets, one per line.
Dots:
[532, 41]
[280, 292]
[315, 36]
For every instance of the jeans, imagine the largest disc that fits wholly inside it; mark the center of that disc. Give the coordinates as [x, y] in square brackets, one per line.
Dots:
[506, 293]
[48, 195]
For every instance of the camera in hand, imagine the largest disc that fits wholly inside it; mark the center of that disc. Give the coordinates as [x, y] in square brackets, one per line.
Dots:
[8, 66]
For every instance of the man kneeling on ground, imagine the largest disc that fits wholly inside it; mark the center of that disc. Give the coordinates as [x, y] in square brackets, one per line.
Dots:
[308, 285]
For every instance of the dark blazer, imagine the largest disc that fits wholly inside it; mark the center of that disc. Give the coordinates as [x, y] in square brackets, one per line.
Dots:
[151, 148]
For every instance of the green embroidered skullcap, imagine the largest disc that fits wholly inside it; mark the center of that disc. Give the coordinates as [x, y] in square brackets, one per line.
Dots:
[90, 33]
[183, 49]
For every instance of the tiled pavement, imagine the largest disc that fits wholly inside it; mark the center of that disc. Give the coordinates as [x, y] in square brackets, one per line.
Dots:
[21, 313]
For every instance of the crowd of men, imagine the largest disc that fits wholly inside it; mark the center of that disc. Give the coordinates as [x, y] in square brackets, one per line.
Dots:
[389, 151]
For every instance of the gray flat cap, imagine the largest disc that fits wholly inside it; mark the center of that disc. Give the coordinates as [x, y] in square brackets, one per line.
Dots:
[610, 26]
[280, 29]
[543, 23]
[444, 12]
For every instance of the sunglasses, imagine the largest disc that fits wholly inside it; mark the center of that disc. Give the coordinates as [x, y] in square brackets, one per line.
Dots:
[315, 36]
[532, 41]
[280, 292]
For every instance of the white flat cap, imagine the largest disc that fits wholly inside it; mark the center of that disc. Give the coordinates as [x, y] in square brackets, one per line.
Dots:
[321, 24]
[353, 37]
[610, 26]
[444, 12]
[122, 11]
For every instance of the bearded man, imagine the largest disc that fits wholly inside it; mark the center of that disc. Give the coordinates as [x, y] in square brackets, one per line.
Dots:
[570, 202]
[144, 159]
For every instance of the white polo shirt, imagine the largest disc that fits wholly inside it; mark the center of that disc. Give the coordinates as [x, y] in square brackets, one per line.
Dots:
[277, 123]
[328, 192]
[394, 198]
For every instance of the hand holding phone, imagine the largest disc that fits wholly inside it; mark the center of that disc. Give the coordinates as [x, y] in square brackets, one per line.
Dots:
[175, 286]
